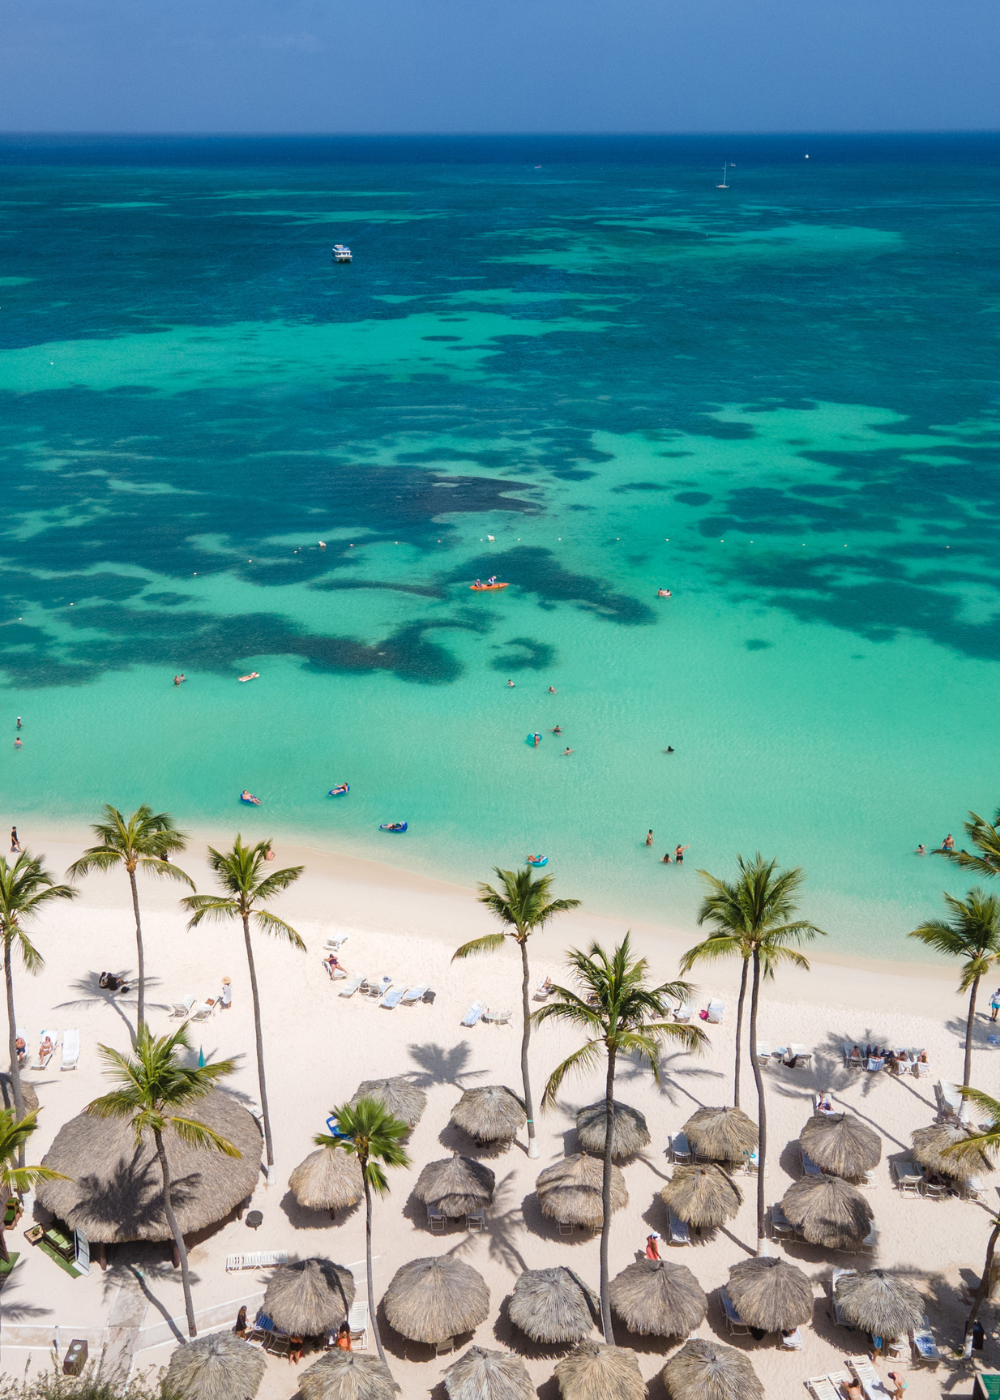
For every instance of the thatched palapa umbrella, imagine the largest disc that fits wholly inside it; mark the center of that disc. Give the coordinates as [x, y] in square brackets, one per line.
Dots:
[553, 1306]
[115, 1190]
[703, 1196]
[630, 1134]
[570, 1191]
[724, 1134]
[829, 1211]
[656, 1298]
[841, 1144]
[401, 1098]
[488, 1375]
[328, 1179]
[309, 1296]
[220, 1366]
[880, 1303]
[711, 1371]
[930, 1149]
[456, 1185]
[770, 1294]
[593, 1371]
[348, 1375]
[490, 1113]
[27, 1093]
[430, 1300]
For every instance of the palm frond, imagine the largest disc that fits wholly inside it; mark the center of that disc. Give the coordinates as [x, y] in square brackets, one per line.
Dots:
[270, 923]
[215, 908]
[201, 1135]
[585, 1058]
[488, 943]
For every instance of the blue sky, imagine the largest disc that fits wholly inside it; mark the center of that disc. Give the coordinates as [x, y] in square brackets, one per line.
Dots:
[498, 65]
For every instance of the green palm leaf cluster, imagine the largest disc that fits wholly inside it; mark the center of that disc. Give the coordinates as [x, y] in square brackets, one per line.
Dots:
[14, 1181]
[972, 936]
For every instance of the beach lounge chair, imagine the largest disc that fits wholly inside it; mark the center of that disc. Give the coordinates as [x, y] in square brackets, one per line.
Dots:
[70, 1049]
[855, 1058]
[564, 1229]
[334, 945]
[357, 1320]
[415, 994]
[349, 988]
[781, 1226]
[716, 1011]
[949, 1100]
[437, 1220]
[266, 1259]
[823, 1388]
[392, 998]
[809, 1167]
[792, 1341]
[200, 1011]
[907, 1177]
[866, 1373]
[376, 987]
[869, 1245]
[683, 1012]
[41, 1061]
[542, 992]
[920, 1067]
[735, 1325]
[751, 1162]
[763, 1053]
[679, 1232]
[798, 1057]
[497, 1018]
[838, 1315]
[925, 1348]
[475, 1221]
[180, 1010]
[680, 1148]
[972, 1188]
[473, 1014]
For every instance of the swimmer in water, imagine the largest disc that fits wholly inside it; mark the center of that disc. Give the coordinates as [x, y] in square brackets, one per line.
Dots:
[552, 690]
[921, 849]
[18, 744]
[179, 680]
[567, 751]
[510, 684]
[679, 855]
[536, 739]
[557, 730]
[19, 721]
[665, 860]
[669, 749]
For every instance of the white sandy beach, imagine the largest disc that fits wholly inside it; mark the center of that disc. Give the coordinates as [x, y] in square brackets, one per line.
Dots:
[319, 1046]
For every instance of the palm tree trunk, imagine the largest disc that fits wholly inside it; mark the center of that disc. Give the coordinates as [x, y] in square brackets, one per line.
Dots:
[372, 1318]
[739, 1034]
[609, 1142]
[761, 1109]
[15, 1069]
[3, 1237]
[140, 1014]
[525, 1039]
[968, 1035]
[175, 1230]
[984, 1284]
[269, 1150]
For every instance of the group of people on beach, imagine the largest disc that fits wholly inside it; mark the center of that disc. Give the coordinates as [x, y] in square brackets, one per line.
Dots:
[678, 856]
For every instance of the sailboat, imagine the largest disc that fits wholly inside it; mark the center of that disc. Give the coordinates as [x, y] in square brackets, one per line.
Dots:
[724, 185]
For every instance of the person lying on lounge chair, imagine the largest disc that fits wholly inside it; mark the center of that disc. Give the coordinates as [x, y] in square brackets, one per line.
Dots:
[45, 1050]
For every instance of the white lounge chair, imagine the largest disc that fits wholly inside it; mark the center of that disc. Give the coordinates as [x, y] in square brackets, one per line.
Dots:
[838, 1315]
[473, 1014]
[679, 1232]
[542, 992]
[734, 1323]
[334, 945]
[949, 1099]
[716, 1011]
[869, 1245]
[180, 1010]
[868, 1376]
[70, 1049]
[357, 1321]
[781, 1226]
[924, 1345]
[436, 1219]
[415, 993]
[792, 1341]
[263, 1259]
[497, 1018]
[683, 1012]
[200, 1011]
[475, 1221]
[349, 988]
[392, 998]
[680, 1148]
[907, 1177]
[798, 1057]
[823, 1388]
[376, 987]
[40, 1061]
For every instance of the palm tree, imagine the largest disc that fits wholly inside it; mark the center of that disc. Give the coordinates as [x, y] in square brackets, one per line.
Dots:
[974, 936]
[987, 1142]
[246, 889]
[25, 888]
[142, 841]
[621, 1014]
[522, 905]
[156, 1092]
[14, 1181]
[369, 1132]
[985, 836]
[758, 907]
[723, 944]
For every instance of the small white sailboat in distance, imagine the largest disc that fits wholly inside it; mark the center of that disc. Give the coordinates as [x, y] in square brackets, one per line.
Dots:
[724, 185]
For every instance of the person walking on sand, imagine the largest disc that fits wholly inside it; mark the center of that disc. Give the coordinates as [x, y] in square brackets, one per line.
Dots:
[994, 1004]
[295, 1348]
[649, 837]
[226, 995]
[15, 844]
[241, 1322]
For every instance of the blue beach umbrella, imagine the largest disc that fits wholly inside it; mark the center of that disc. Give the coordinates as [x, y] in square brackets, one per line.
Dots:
[201, 1057]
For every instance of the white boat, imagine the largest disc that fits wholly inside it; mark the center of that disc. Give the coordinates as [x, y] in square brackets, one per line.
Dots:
[341, 252]
[724, 185]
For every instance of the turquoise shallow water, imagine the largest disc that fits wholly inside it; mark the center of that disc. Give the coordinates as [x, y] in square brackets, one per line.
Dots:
[777, 400]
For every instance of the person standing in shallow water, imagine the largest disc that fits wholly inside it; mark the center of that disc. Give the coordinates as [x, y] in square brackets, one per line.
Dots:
[649, 837]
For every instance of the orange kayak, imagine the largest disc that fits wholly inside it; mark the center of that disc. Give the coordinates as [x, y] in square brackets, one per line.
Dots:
[486, 587]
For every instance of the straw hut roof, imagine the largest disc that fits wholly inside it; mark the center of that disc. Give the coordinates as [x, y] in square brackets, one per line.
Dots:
[829, 1211]
[116, 1191]
[488, 1375]
[553, 1306]
[880, 1303]
[430, 1300]
[328, 1179]
[653, 1296]
[707, 1370]
[770, 1294]
[570, 1191]
[219, 1366]
[593, 1371]
[27, 1093]
[629, 1136]
[929, 1146]
[841, 1144]
[402, 1099]
[309, 1296]
[348, 1375]
[703, 1196]
[457, 1185]
[490, 1113]
[726, 1134]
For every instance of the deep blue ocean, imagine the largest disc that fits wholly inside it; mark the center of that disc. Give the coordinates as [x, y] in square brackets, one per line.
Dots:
[573, 363]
